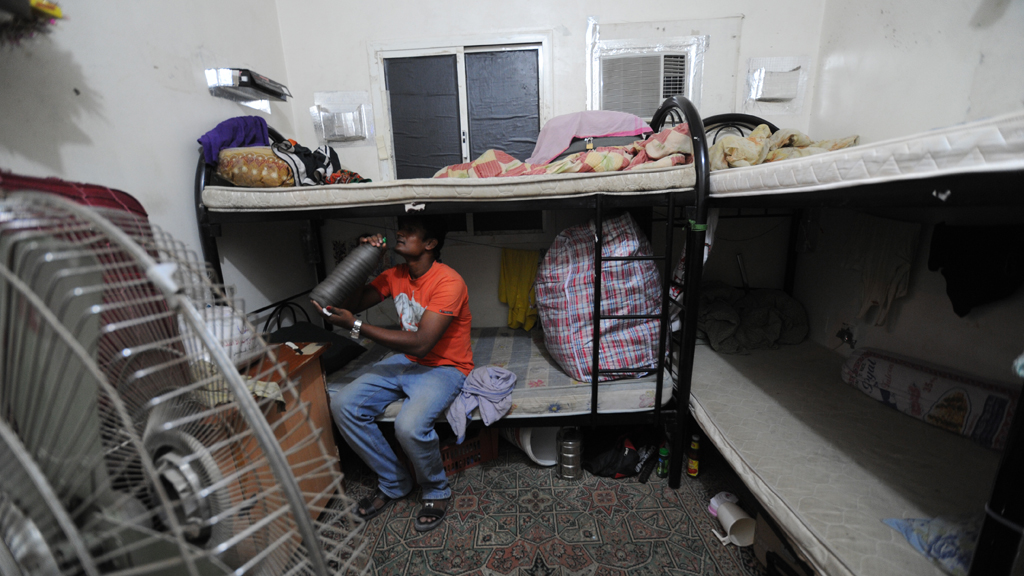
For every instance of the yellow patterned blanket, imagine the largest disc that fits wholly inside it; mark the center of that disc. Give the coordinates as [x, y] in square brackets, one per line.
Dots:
[761, 146]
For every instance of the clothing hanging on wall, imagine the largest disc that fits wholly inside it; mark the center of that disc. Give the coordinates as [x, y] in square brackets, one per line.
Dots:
[883, 251]
[515, 286]
[981, 264]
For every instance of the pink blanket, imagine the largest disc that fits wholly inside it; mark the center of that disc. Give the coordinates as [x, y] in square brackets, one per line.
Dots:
[670, 147]
[557, 133]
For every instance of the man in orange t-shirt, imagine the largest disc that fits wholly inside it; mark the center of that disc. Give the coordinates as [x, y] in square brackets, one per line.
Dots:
[433, 303]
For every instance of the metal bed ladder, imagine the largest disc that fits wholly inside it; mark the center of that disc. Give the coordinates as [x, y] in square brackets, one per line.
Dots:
[694, 266]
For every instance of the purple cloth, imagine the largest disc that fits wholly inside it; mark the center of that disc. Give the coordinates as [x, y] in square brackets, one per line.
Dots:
[558, 132]
[234, 133]
[487, 388]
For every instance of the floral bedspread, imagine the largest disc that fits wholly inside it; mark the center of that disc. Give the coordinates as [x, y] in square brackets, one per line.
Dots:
[670, 147]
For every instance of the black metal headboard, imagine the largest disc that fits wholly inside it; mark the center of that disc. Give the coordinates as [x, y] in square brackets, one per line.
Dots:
[739, 124]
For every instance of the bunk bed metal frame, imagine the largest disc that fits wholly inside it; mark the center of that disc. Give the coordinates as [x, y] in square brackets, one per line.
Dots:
[1001, 534]
[675, 415]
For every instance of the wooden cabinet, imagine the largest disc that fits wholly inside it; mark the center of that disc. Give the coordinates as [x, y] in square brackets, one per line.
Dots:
[297, 435]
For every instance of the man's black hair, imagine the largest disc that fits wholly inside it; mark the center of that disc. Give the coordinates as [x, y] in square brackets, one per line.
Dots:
[433, 227]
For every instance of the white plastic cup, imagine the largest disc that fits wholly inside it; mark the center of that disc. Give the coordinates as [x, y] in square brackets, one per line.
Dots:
[737, 525]
[538, 443]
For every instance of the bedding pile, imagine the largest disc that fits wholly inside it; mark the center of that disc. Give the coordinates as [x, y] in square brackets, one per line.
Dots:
[761, 146]
[670, 147]
[736, 321]
[565, 299]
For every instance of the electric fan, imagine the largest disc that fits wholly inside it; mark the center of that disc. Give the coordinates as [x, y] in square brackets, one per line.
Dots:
[131, 440]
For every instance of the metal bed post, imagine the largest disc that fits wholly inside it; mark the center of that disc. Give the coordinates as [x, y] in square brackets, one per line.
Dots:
[1003, 527]
[666, 311]
[791, 255]
[208, 231]
[596, 342]
[694, 269]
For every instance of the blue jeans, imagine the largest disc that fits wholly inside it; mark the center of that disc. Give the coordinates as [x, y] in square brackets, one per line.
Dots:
[428, 392]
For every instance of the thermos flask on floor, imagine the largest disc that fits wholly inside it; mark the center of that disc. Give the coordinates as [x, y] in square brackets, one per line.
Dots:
[570, 454]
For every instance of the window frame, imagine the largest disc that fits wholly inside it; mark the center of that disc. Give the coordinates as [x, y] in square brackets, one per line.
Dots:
[378, 52]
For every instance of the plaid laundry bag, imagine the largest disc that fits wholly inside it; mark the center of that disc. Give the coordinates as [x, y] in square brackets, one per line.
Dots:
[565, 300]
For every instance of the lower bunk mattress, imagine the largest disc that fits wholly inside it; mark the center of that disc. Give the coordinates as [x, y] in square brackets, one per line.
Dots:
[829, 463]
[541, 389]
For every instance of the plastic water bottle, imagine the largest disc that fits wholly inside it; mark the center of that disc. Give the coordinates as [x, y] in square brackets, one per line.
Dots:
[662, 469]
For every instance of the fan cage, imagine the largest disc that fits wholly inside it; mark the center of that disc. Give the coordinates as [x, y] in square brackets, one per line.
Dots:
[118, 386]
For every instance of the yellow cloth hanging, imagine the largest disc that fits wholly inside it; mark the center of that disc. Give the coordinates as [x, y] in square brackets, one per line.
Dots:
[515, 286]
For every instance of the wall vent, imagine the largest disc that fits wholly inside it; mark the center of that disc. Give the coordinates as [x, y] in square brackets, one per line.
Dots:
[638, 84]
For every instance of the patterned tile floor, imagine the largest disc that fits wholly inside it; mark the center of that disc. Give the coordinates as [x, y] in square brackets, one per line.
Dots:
[510, 516]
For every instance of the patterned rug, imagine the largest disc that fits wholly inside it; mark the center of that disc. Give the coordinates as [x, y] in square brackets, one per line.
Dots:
[510, 516]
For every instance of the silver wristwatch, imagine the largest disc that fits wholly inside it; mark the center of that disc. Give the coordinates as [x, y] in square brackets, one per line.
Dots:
[354, 334]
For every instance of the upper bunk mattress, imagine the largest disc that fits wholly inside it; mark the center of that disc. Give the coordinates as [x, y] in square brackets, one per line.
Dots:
[830, 463]
[421, 190]
[991, 145]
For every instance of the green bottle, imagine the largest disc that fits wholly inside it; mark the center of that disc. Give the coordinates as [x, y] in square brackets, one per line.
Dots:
[662, 469]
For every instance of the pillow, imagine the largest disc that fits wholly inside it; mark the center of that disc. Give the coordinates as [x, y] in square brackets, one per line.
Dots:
[963, 404]
[254, 167]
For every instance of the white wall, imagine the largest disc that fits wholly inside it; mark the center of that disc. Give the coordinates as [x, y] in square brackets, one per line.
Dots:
[142, 99]
[888, 69]
[335, 56]
[115, 95]
[332, 54]
[922, 324]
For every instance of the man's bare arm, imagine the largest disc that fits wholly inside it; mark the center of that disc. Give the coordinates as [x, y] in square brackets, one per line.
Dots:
[418, 344]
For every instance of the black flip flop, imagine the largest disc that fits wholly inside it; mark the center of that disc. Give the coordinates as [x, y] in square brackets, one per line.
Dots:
[371, 510]
[430, 511]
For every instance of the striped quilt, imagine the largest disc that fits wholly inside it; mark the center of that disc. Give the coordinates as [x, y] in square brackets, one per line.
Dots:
[542, 388]
[565, 300]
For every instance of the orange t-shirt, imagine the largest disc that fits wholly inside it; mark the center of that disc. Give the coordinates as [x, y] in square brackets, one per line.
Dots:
[442, 291]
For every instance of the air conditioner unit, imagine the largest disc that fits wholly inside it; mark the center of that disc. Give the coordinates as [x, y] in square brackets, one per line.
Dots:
[639, 83]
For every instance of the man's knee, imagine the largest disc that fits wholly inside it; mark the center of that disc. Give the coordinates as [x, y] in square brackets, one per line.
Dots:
[410, 431]
[342, 408]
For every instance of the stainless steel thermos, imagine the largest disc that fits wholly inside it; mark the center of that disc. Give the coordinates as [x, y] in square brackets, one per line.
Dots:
[570, 453]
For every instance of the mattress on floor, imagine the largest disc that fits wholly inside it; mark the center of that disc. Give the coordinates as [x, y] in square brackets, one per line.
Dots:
[829, 463]
[542, 388]
[991, 145]
[549, 186]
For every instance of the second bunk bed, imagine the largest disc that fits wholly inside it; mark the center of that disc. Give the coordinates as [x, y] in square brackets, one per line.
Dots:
[827, 462]
[837, 469]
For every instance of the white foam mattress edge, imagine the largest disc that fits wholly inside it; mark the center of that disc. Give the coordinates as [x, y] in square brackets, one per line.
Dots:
[990, 145]
[817, 551]
[421, 190]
